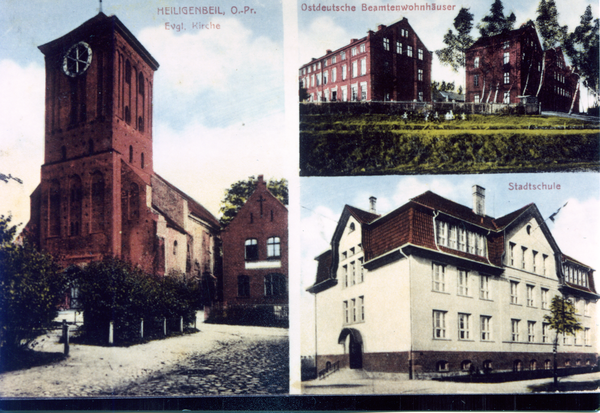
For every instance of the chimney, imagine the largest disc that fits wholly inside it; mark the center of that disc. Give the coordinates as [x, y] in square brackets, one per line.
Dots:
[327, 51]
[260, 181]
[372, 203]
[479, 200]
[381, 27]
[353, 41]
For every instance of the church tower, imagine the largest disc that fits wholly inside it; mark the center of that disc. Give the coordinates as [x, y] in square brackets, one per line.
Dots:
[97, 172]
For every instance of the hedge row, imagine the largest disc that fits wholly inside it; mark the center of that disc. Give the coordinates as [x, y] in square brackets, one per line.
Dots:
[114, 290]
[354, 153]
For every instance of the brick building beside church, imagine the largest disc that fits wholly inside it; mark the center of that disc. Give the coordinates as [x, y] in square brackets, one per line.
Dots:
[390, 64]
[99, 194]
[255, 255]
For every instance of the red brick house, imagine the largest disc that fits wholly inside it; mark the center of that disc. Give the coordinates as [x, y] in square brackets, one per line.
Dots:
[255, 255]
[99, 194]
[505, 67]
[390, 64]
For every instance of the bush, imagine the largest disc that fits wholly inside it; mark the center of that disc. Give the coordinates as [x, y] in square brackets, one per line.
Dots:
[31, 288]
[114, 290]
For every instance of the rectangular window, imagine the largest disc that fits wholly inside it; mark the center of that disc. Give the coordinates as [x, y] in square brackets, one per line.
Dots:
[420, 96]
[344, 72]
[506, 99]
[361, 301]
[463, 326]
[480, 245]
[544, 298]
[476, 99]
[486, 332]
[506, 44]
[514, 328]
[420, 75]
[463, 282]
[484, 287]
[325, 77]
[334, 74]
[506, 58]
[409, 52]
[514, 297]
[586, 308]
[353, 271]
[442, 235]
[531, 331]
[333, 59]
[354, 90]
[344, 94]
[545, 332]
[362, 48]
[353, 310]
[363, 66]
[439, 324]
[471, 242]
[476, 62]
[361, 274]
[420, 54]
[354, 51]
[345, 271]
[534, 259]
[511, 253]
[506, 78]
[318, 79]
[523, 252]
[452, 238]
[439, 277]
[346, 313]
[354, 68]
[343, 55]
[462, 239]
[363, 91]
[530, 296]
[386, 43]
[398, 47]
[586, 336]
[476, 80]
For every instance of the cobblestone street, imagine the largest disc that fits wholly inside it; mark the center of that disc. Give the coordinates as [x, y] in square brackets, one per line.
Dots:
[218, 360]
[233, 368]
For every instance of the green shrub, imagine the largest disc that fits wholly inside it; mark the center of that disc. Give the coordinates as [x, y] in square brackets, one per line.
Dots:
[31, 288]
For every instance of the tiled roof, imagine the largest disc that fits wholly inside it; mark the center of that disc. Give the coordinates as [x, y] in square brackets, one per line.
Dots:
[462, 212]
[485, 41]
[566, 257]
[361, 216]
[323, 266]
[502, 222]
[194, 207]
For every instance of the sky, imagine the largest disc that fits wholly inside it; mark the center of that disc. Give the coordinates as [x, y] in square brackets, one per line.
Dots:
[218, 94]
[576, 228]
[319, 31]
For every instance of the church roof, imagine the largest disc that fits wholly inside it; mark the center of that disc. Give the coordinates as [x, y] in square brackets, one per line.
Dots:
[195, 208]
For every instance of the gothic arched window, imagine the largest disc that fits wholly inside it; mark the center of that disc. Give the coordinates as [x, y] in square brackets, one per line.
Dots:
[134, 201]
[54, 209]
[97, 201]
[75, 204]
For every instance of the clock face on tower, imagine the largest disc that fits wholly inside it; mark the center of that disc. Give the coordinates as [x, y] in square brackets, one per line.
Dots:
[77, 59]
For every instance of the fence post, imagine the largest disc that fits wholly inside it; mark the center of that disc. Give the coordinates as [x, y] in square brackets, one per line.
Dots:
[65, 336]
[111, 328]
[142, 328]
[165, 326]
[181, 324]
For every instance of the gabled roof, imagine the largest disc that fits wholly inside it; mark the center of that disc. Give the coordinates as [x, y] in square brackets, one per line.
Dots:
[434, 201]
[361, 216]
[195, 208]
[486, 41]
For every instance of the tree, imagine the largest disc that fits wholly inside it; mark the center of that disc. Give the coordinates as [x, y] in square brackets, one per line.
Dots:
[239, 192]
[31, 288]
[457, 44]
[562, 319]
[582, 47]
[551, 32]
[496, 22]
[302, 92]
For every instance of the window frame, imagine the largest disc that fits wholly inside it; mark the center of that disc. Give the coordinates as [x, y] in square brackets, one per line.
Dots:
[250, 253]
[273, 247]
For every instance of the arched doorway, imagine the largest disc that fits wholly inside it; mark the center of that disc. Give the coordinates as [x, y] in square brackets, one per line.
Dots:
[354, 347]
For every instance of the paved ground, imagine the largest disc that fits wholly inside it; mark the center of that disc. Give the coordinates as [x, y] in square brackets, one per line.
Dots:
[220, 359]
[573, 115]
[348, 381]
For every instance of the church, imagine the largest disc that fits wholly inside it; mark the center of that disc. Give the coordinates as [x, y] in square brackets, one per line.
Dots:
[99, 194]
[435, 288]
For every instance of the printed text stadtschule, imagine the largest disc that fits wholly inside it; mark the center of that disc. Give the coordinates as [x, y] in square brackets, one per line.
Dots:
[387, 7]
[528, 186]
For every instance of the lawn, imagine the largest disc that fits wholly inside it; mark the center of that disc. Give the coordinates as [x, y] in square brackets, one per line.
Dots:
[365, 144]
